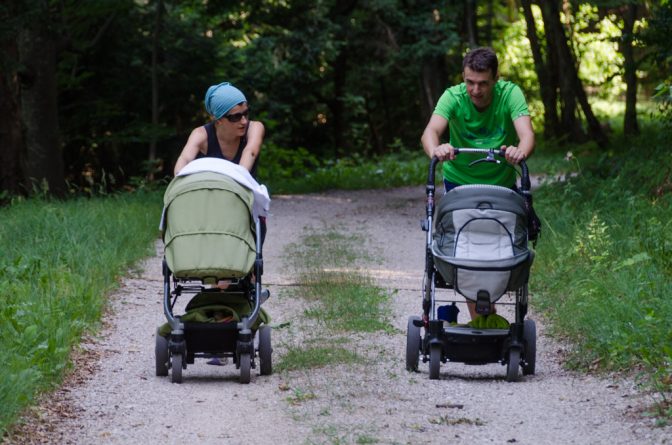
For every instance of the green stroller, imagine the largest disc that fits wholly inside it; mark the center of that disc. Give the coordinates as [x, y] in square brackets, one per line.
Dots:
[212, 236]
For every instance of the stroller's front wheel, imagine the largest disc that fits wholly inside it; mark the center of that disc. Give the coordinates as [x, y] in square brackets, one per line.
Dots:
[513, 365]
[245, 360]
[176, 366]
[434, 360]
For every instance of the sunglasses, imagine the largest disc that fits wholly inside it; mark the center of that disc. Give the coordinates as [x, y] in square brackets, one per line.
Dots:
[237, 116]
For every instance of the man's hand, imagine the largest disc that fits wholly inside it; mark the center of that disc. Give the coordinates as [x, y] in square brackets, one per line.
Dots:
[513, 154]
[444, 152]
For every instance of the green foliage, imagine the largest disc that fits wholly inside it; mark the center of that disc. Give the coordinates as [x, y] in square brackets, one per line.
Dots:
[603, 270]
[296, 171]
[59, 262]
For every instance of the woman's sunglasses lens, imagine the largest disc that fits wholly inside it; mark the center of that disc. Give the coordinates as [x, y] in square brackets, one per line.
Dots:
[236, 117]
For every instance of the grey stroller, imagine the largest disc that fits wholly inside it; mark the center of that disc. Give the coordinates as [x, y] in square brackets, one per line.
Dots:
[476, 246]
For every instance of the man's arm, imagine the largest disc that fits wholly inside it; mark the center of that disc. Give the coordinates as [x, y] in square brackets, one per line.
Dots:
[525, 148]
[431, 139]
[255, 136]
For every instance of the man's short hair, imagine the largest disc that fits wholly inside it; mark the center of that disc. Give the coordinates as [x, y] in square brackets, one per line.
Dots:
[481, 60]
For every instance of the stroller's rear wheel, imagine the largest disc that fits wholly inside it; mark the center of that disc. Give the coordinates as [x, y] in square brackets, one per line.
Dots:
[176, 366]
[161, 355]
[513, 365]
[413, 343]
[530, 338]
[434, 360]
[265, 351]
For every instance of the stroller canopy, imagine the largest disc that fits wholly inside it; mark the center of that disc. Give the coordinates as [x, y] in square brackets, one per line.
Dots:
[480, 240]
[208, 229]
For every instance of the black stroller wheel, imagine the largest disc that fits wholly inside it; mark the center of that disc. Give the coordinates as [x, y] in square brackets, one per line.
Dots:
[265, 351]
[413, 344]
[530, 338]
[434, 361]
[176, 366]
[161, 355]
[513, 365]
[245, 367]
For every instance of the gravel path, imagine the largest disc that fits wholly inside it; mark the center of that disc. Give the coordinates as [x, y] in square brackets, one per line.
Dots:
[115, 398]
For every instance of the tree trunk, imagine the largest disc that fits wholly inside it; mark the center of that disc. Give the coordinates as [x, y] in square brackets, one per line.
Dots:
[570, 126]
[630, 124]
[571, 87]
[158, 20]
[546, 87]
[11, 137]
[470, 22]
[39, 110]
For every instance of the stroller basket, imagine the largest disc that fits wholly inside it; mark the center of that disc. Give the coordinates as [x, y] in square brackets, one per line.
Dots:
[209, 230]
[480, 241]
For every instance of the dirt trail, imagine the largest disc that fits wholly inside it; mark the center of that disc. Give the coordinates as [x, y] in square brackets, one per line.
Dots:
[116, 399]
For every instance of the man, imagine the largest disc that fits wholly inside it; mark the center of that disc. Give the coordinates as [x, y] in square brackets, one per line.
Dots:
[482, 112]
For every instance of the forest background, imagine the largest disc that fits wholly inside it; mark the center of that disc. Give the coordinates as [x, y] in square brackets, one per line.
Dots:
[106, 92]
[98, 97]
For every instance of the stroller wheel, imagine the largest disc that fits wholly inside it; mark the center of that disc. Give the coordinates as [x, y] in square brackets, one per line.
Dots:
[513, 365]
[265, 351]
[413, 343]
[245, 366]
[176, 366]
[434, 361]
[161, 355]
[530, 338]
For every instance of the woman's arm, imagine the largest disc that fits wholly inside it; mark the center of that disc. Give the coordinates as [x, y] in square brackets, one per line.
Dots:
[195, 144]
[255, 137]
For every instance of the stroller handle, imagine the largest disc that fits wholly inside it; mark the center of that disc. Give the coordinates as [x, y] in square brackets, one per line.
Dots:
[490, 153]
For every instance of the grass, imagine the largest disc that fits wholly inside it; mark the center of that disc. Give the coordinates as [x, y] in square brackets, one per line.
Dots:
[342, 299]
[59, 262]
[603, 270]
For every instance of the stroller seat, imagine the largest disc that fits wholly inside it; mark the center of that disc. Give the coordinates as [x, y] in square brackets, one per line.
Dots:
[480, 241]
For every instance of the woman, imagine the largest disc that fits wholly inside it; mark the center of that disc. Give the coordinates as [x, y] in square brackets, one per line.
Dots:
[230, 135]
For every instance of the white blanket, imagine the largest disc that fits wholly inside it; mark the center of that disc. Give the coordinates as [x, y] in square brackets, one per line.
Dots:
[262, 200]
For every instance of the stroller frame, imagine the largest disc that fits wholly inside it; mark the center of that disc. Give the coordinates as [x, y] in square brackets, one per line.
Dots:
[188, 341]
[514, 347]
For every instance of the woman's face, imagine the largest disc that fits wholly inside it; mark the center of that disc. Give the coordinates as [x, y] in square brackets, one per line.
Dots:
[236, 120]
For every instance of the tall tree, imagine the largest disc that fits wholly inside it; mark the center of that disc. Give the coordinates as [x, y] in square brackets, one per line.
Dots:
[11, 136]
[630, 125]
[37, 49]
[546, 74]
[158, 22]
[560, 66]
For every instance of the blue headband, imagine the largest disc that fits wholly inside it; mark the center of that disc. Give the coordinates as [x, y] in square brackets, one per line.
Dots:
[219, 99]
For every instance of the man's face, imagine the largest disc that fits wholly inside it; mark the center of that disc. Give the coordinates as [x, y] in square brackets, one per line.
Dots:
[479, 87]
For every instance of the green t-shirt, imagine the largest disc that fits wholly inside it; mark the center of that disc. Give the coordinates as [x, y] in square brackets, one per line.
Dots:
[492, 128]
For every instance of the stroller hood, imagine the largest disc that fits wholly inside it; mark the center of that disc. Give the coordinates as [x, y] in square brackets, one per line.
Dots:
[480, 240]
[207, 226]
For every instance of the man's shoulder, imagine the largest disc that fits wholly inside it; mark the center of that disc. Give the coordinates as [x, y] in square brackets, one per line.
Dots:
[506, 86]
[455, 93]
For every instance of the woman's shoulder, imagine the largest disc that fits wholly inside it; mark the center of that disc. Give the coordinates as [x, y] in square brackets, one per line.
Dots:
[256, 127]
